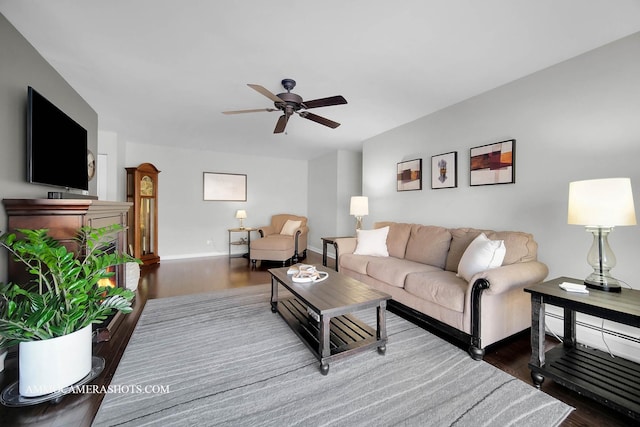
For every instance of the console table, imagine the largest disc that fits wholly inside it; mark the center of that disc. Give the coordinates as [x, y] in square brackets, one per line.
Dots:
[614, 382]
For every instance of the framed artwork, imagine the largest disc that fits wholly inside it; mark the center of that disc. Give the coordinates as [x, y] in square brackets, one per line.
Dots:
[225, 187]
[493, 163]
[444, 170]
[410, 175]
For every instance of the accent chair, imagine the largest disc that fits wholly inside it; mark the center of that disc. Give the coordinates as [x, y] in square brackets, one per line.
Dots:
[285, 240]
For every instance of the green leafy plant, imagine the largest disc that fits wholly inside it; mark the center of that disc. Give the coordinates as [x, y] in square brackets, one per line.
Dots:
[63, 295]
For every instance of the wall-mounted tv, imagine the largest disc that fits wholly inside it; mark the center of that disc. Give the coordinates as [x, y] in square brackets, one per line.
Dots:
[56, 146]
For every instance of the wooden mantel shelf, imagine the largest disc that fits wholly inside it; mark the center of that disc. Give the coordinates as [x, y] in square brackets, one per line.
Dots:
[62, 206]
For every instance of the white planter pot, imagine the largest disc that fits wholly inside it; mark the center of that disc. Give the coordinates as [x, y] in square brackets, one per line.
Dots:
[132, 275]
[48, 366]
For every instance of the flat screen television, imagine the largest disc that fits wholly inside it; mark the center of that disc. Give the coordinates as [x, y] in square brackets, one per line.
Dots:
[56, 146]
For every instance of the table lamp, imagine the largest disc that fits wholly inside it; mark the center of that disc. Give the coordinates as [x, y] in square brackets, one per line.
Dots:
[600, 205]
[359, 208]
[241, 214]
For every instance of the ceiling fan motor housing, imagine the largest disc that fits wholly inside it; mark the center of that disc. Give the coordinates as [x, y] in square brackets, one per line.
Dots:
[290, 99]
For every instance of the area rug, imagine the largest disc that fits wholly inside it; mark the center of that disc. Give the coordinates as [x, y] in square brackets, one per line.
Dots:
[223, 358]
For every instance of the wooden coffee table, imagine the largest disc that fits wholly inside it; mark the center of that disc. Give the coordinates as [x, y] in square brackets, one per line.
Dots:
[337, 333]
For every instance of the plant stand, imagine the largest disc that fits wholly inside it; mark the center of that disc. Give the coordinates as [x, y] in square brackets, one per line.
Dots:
[11, 394]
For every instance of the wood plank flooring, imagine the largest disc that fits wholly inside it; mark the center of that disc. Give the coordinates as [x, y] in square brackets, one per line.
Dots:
[179, 277]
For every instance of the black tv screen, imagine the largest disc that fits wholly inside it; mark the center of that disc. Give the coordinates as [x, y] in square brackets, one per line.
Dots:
[56, 146]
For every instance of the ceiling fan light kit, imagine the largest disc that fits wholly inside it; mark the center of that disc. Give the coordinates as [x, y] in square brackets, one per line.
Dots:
[290, 103]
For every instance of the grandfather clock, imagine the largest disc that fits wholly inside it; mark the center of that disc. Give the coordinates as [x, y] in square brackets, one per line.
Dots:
[142, 191]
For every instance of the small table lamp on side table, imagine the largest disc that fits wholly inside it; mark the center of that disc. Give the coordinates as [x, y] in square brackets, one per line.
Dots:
[241, 214]
[599, 205]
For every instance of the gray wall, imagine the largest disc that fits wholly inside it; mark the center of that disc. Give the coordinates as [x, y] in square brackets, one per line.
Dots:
[21, 66]
[333, 179]
[576, 120]
[191, 227]
[579, 119]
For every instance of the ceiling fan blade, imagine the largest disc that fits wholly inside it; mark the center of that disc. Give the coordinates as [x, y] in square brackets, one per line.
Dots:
[319, 119]
[325, 102]
[257, 110]
[265, 92]
[281, 124]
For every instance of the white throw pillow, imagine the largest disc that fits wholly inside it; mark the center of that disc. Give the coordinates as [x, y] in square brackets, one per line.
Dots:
[481, 254]
[372, 242]
[290, 227]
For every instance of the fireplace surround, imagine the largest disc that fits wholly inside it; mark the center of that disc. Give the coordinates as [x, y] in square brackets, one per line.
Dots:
[63, 218]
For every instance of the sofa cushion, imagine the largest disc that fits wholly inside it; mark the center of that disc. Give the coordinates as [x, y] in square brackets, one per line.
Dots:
[278, 242]
[520, 246]
[460, 239]
[481, 254]
[440, 287]
[428, 244]
[357, 263]
[372, 242]
[393, 271]
[397, 238]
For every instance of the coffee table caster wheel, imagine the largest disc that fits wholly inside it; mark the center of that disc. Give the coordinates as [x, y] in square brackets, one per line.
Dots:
[274, 308]
[382, 349]
[324, 368]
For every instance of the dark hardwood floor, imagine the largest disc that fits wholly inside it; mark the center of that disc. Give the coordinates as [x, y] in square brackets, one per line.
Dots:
[179, 277]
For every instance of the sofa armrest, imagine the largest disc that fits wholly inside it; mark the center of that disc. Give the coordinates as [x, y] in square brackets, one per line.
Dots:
[266, 230]
[346, 245]
[508, 277]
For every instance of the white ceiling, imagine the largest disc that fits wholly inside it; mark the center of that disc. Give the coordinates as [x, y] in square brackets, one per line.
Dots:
[162, 71]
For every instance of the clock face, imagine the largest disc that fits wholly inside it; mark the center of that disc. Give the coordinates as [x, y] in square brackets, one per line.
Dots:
[146, 186]
[91, 165]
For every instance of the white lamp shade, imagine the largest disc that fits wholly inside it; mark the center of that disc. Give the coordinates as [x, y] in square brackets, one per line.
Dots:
[601, 202]
[359, 206]
[241, 214]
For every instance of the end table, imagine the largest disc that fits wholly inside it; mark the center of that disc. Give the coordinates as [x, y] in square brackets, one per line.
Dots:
[330, 241]
[244, 241]
[588, 371]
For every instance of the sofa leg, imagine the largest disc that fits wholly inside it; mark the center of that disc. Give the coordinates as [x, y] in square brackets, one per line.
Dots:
[476, 353]
[253, 263]
[294, 259]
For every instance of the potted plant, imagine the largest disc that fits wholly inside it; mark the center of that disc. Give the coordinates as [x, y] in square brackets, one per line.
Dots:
[58, 305]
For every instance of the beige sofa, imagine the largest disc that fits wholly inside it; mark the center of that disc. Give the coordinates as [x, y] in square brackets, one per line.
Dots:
[420, 275]
[281, 242]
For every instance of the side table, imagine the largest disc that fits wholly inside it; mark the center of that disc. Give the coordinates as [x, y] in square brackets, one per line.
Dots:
[244, 241]
[614, 382]
[330, 241]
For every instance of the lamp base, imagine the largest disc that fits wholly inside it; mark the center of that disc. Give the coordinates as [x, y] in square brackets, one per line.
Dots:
[607, 284]
[358, 222]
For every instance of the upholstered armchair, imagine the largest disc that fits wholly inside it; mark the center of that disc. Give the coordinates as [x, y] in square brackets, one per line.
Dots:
[285, 239]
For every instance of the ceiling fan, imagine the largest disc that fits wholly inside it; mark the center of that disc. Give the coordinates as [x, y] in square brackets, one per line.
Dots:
[290, 103]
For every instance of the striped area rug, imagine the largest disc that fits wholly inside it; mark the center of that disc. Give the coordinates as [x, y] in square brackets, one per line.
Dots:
[223, 358]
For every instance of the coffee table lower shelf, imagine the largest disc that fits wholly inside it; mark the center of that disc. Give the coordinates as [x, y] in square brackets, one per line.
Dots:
[348, 334]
